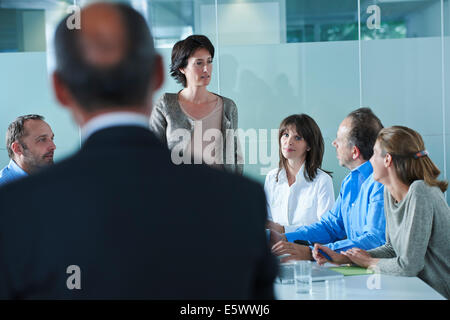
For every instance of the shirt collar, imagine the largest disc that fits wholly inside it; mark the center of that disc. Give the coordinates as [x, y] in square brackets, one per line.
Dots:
[113, 119]
[283, 174]
[14, 167]
[365, 169]
[300, 172]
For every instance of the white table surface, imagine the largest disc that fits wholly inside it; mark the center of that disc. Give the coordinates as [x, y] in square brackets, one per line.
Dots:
[356, 288]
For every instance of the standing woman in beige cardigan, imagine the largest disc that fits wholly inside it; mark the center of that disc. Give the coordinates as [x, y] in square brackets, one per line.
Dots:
[198, 126]
[417, 215]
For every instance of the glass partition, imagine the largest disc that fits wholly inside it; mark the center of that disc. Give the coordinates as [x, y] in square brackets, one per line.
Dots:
[401, 77]
[274, 58]
[25, 85]
[172, 21]
[273, 79]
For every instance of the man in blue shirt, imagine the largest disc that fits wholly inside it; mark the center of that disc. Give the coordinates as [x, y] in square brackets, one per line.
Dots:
[357, 218]
[29, 141]
[11, 172]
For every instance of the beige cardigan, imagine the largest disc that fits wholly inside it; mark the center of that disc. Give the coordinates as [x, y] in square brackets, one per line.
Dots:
[167, 117]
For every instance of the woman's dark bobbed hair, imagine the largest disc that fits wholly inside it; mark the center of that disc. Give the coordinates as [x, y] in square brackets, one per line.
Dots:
[181, 52]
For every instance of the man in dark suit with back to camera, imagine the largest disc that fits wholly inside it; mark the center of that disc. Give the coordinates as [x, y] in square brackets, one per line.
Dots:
[124, 222]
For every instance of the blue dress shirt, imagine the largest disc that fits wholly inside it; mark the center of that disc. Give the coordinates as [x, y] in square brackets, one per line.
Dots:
[11, 172]
[357, 218]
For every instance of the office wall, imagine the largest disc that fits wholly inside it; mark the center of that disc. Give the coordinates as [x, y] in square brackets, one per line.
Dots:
[22, 30]
[403, 80]
[244, 23]
[271, 82]
[33, 23]
[25, 89]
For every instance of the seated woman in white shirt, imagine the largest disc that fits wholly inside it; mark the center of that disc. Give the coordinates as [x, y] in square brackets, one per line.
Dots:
[299, 191]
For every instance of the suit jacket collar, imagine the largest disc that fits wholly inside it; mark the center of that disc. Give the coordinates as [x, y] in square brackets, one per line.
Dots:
[116, 136]
[112, 119]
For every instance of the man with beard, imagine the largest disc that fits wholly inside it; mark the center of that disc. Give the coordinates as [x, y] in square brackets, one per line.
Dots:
[29, 141]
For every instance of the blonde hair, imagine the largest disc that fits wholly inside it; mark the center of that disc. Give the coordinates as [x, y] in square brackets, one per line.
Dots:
[404, 145]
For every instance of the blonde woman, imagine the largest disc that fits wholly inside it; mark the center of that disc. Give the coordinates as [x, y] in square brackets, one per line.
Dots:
[417, 215]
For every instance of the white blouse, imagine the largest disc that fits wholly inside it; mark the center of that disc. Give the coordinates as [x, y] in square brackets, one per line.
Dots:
[303, 203]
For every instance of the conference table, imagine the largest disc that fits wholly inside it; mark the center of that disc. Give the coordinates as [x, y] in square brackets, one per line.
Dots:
[364, 287]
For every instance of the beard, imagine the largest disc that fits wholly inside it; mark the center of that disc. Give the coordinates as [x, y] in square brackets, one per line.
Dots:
[38, 162]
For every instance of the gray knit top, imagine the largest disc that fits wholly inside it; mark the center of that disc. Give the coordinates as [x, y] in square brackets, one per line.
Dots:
[167, 119]
[417, 237]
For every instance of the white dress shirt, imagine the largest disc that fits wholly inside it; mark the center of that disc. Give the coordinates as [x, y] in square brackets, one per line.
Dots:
[113, 119]
[302, 203]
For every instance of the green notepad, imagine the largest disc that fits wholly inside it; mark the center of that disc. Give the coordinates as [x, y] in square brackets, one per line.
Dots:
[352, 271]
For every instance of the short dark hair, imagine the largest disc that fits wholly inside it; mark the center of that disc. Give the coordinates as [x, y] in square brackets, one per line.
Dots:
[307, 128]
[364, 131]
[124, 83]
[181, 52]
[16, 131]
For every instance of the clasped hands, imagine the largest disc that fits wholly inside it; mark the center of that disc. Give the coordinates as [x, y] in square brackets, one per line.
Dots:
[281, 246]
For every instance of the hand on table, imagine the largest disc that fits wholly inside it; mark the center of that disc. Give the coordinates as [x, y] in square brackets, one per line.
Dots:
[360, 257]
[296, 251]
[276, 237]
[337, 258]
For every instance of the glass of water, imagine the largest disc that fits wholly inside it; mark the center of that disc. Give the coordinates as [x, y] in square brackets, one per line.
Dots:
[286, 272]
[335, 289]
[302, 276]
